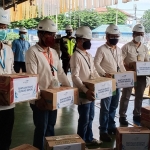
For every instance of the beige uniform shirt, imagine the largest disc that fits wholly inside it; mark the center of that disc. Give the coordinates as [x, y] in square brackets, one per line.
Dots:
[8, 67]
[80, 70]
[106, 60]
[36, 63]
[131, 52]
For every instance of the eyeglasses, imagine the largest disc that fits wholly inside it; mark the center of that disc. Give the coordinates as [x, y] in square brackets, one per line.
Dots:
[114, 37]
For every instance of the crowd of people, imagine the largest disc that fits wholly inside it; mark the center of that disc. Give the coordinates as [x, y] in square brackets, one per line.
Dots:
[42, 59]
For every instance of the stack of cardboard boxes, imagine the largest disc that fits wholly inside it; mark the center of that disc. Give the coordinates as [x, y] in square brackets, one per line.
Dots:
[145, 116]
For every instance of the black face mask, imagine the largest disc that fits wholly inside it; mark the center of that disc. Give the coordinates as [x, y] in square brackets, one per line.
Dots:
[86, 45]
[113, 41]
[69, 33]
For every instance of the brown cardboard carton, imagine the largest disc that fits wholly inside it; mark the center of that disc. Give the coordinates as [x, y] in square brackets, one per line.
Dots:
[133, 138]
[17, 88]
[60, 97]
[125, 79]
[145, 123]
[103, 87]
[25, 147]
[64, 142]
[145, 110]
[101, 149]
[141, 68]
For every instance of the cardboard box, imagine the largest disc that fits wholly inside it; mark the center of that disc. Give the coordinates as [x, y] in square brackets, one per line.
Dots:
[132, 138]
[102, 149]
[125, 79]
[145, 123]
[60, 97]
[145, 110]
[141, 68]
[16, 88]
[64, 142]
[25, 147]
[103, 87]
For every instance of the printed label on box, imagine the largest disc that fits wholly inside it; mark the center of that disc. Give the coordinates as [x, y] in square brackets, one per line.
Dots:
[72, 146]
[65, 98]
[124, 80]
[143, 68]
[103, 89]
[135, 141]
[25, 89]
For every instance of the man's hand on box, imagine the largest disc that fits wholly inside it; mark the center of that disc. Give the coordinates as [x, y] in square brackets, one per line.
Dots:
[90, 95]
[41, 104]
[128, 68]
[108, 75]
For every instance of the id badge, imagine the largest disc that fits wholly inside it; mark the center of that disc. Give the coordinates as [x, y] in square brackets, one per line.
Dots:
[138, 58]
[55, 83]
[23, 52]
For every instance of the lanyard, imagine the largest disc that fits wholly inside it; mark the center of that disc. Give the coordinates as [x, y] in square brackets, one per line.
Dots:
[118, 68]
[22, 43]
[49, 57]
[2, 62]
[85, 60]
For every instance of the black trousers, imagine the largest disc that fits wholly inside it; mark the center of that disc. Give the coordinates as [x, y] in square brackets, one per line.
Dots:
[66, 65]
[6, 127]
[19, 65]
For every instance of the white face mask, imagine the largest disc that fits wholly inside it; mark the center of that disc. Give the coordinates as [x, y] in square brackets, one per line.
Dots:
[139, 39]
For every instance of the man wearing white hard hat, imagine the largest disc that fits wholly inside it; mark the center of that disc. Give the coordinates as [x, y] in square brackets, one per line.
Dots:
[43, 60]
[108, 59]
[19, 47]
[132, 52]
[6, 67]
[67, 47]
[82, 68]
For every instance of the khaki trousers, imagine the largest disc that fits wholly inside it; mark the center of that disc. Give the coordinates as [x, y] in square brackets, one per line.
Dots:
[139, 91]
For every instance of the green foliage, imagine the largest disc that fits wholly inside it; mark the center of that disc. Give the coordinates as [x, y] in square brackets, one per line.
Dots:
[109, 17]
[12, 36]
[78, 18]
[146, 21]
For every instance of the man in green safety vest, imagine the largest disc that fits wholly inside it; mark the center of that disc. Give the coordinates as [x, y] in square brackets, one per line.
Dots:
[67, 47]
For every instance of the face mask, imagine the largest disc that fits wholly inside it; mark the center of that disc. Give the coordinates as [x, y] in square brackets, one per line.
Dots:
[113, 41]
[86, 45]
[3, 34]
[23, 36]
[49, 41]
[139, 39]
[69, 33]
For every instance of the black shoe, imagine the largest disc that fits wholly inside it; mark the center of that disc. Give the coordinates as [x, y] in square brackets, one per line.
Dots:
[137, 118]
[112, 131]
[123, 121]
[105, 137]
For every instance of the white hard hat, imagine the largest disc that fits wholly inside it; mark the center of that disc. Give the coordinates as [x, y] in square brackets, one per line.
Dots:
[69, 27]
[84, 32]
[47, 25]
[22, 29]
[4, 16]
[112, 29]
[138, 28]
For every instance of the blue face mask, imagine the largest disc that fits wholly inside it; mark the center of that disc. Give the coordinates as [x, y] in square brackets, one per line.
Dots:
[23, 36]
[3, 34]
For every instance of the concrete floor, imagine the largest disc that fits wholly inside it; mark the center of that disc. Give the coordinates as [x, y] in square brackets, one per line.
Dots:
[66, 123]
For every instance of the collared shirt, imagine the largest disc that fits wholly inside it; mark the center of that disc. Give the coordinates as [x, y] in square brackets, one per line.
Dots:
[80, 69]
[106, 60]
[130, 52]
[8, 61]
[19, 48]
[36, 63]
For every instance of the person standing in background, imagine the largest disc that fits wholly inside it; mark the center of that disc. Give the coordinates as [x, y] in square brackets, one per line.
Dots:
[67, 47]
[19, 47]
